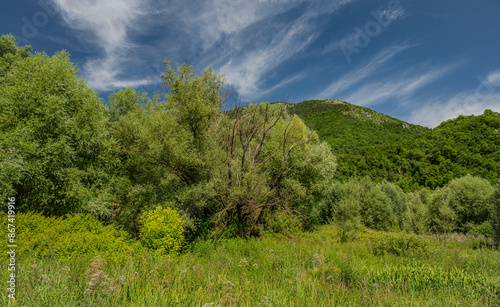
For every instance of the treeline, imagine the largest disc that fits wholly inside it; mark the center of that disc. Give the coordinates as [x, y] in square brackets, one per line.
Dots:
[371, 144]
[466, 205]
[63, 151]
[465, 145]
[241, 173]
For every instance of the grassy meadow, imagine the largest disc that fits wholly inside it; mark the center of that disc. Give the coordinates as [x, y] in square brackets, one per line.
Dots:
[307, 269]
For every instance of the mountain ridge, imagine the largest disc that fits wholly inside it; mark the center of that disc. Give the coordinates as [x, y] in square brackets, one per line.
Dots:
[376, 145]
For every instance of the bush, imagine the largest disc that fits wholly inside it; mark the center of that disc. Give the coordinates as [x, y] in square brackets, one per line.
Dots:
[283, 223]
[470, 199]
[443, 218]
[376, 210]
[73, 236]
[162, 229]
[401, 244]
[398, 200]
[417, 216]
[495, 220]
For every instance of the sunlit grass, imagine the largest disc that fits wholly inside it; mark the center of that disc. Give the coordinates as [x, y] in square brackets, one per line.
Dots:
[313, 269]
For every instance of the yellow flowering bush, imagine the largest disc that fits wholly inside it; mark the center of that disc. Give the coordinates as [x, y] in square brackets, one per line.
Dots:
[162, 229]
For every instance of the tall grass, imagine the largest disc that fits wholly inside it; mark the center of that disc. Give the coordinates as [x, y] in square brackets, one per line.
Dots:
[313, 269]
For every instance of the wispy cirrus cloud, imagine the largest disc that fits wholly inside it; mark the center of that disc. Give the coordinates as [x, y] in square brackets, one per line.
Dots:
[381, 19]
[485, 96]
[255, 51]
[373, 66]
[246, 72]
[399, 87]
[246, 40]
[106, 24]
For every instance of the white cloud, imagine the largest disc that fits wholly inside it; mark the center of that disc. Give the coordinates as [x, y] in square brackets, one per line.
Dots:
[106, 24]
[383, 17]
[253, 52]
[472, 102]
[434, 113]
[246, 72]
[400, 87]
[347, 81]
[247, 40]
[494, 77]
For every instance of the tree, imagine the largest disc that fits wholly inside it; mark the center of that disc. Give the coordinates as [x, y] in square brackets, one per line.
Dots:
[219, 170]
[124, 102]
[9, 53]
[52, 134]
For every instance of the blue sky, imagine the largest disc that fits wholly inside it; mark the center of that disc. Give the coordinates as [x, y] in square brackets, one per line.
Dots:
[421, 61]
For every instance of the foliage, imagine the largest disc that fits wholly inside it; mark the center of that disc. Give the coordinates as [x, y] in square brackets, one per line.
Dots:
[465, 145]
[123, 102]
[220, 171]
[495, 218]
[348, 128]
[69, 237]
[400, 244]
[56, 154]
[10, 53]
[272, 270]
[162, 229]
[417, 218]
[281, 222]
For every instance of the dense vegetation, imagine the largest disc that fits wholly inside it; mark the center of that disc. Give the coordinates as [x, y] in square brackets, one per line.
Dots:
[466, 145]
[151, 181]
[348, 128]
[413, 157]
[308, 269]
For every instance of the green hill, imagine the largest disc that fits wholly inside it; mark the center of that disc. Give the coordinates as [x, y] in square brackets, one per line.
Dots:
[348, 128]
[384, 148]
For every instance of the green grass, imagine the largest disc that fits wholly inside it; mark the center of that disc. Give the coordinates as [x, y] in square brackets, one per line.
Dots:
[313, 269]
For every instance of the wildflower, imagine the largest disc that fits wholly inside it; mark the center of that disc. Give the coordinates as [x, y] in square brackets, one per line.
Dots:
[317, 261]
[255, 265]
[244, 260]
[65, 269]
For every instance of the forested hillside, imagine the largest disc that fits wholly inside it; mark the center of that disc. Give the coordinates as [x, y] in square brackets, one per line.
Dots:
[383, 148]
[349, 128]
[466, 145]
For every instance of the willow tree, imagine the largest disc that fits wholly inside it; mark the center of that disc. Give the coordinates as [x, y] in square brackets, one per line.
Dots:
[221, 170]
[54, 149]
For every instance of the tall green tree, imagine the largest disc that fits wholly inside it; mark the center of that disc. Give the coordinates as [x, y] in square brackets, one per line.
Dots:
[220, 170]
[55, 151]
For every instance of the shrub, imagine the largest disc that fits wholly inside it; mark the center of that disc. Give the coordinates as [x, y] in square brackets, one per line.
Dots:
[470, 199]
[283, 223]
[376, 211]
[162, 229]
[73, 236]
[401, 244]
[398, 200]
[495, 220]
[443, 218]
[417, 216]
